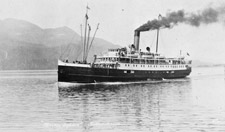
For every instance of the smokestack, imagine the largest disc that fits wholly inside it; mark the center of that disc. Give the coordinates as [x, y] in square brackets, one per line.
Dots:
[136, 39]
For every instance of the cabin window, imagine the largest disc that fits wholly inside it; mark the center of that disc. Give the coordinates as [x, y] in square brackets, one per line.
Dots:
[142, 61]
[98, 60]
[162, 61]
[115, 59]
[124, 60]
[151, 61]
[136, 61]
[127, 60]
[132, 60]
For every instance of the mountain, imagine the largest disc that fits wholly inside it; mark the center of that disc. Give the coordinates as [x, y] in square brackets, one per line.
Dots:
[60, 36]
[26, 46]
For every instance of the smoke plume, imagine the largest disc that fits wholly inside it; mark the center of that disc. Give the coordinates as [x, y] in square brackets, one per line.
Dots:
[206, 16]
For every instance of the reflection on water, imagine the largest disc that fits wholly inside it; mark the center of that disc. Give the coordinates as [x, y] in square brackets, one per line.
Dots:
[133, 107]
[33, 102]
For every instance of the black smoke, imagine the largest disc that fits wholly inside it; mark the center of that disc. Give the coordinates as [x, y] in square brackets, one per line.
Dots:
[206, 16]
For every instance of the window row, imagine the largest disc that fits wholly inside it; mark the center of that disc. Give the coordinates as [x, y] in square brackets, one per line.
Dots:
[155, 66]
[140, 61]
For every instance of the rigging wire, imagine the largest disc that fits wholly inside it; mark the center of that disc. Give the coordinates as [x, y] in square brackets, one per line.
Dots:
[92, 40]
[68, 53]
[87, 46]
[81, 37]
[79, 53]
[88, 38]
[68, 45]
[63, 53]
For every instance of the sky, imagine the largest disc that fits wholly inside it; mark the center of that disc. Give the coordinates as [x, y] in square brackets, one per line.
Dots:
[119, 18]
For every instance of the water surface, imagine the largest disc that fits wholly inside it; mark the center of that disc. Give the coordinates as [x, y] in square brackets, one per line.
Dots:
[32, 101]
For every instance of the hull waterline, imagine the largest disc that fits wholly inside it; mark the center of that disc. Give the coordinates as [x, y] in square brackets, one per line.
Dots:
[92, 75]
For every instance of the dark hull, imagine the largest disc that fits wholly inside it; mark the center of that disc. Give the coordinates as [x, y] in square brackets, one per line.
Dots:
[91, 75]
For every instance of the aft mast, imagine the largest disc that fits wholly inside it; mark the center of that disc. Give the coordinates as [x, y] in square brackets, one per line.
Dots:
[157, 40]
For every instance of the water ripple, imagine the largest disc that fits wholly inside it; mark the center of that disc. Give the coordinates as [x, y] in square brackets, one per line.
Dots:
[33, 102]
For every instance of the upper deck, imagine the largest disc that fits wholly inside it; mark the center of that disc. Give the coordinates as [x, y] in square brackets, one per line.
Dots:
[132, 57]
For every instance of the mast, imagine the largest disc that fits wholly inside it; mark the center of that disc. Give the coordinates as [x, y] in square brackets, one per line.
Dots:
[81, 35]
[157, 40]
[85, 33]
[88, 38]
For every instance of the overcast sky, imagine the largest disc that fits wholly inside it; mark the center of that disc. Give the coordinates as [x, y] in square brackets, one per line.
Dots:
[119, 18]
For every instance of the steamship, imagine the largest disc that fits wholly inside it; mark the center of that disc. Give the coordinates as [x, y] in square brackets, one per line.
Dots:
[123, 64]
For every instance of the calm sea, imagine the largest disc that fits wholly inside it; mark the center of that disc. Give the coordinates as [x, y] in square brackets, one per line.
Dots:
[32, 101]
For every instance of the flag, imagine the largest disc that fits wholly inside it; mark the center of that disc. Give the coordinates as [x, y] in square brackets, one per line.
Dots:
[86, 16]
[88, 7]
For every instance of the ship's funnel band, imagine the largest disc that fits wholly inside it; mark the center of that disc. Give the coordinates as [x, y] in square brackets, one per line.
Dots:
[136, 40]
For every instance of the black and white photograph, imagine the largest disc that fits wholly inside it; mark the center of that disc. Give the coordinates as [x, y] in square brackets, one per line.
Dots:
[112, 65]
